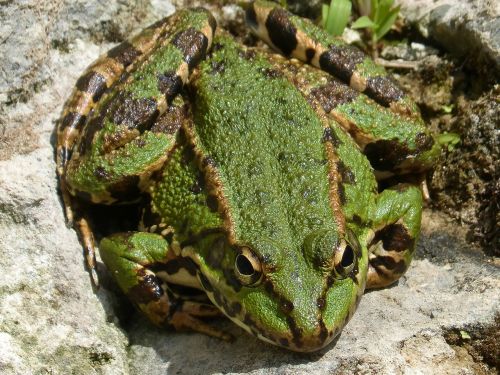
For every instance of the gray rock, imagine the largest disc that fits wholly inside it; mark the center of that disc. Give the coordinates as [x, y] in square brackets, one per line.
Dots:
[51, 321]
[464, 28]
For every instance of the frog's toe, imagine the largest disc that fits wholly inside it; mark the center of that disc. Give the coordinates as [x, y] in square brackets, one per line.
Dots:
[201, 310]
[389, 256]
[182, 321]
[397, 216]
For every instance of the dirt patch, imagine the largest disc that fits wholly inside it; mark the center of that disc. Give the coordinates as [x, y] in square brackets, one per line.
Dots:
[466, 181]
[482, 343]
[12, 143]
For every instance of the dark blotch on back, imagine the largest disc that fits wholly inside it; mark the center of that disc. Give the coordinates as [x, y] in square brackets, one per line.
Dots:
[271, 73]
[218, 67]
[341, 61]
[281, 31]
[321, 303]
[356, 219]
[93, 83]
[323, 332]
[341, 193]
[209, 161]
[395, 237]
[383, 90]
[385, 155]
[101, 174]
[333, 94]
[169, 84]
[286, 306]
[92, 127]
[192, 44]
[125, 53]
[248, 54]
[330, 136]
[134, 113]
[347, 174]
[212, 203]
[148, 289]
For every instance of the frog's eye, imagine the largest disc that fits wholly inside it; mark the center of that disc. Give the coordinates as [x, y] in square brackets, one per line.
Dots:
[346, 256]
[247, 267]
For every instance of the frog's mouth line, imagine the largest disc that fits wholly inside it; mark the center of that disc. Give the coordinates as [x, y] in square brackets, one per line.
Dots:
[291, 339]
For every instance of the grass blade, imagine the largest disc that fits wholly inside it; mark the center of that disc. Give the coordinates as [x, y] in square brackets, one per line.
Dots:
[363, 22]
[338, 16]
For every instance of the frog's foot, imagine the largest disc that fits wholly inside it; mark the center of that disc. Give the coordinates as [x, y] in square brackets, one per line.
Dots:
[396, 216]
[84, 232]
[186, 320]
[132, 258]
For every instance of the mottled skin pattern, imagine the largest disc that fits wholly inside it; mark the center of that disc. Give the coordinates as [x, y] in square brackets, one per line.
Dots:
[260, 171]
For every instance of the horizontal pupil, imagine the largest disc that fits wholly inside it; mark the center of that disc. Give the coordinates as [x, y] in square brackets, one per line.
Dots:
[347, 257]
[244, 266]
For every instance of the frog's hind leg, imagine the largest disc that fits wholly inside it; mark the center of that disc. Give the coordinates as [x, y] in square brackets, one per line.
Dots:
[396, 217]
[391, 134]
[89, 89]
[138, 261]
[298, 37]
[111, 141]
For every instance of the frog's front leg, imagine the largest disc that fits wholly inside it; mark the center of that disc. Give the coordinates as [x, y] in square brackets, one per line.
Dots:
[135, 260]
[396, 218]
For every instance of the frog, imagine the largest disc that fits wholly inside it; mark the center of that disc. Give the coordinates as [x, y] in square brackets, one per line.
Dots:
[261, 170]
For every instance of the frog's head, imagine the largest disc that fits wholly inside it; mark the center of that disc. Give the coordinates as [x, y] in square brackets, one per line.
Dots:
[296, 298]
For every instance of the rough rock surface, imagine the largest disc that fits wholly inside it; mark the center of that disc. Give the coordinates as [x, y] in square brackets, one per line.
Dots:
[468, 29]
[442, 317]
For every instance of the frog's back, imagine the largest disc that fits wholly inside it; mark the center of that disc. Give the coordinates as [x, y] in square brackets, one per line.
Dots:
[262, 146]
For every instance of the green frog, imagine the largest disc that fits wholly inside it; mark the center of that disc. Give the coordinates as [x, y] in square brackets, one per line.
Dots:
[260, 174]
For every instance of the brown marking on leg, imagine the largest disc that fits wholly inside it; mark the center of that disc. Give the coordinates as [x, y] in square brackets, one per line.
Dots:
[92, 83]
[341, 61]
[395, 237]
[383, 90]
[281, 31]
[201, 310]
[193, 45]
[333, 94]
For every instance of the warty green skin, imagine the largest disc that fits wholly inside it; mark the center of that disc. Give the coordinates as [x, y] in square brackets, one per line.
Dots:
[257, 164]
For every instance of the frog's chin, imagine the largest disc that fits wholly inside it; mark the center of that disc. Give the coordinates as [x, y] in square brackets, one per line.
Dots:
[286, 339]
[289, 339]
